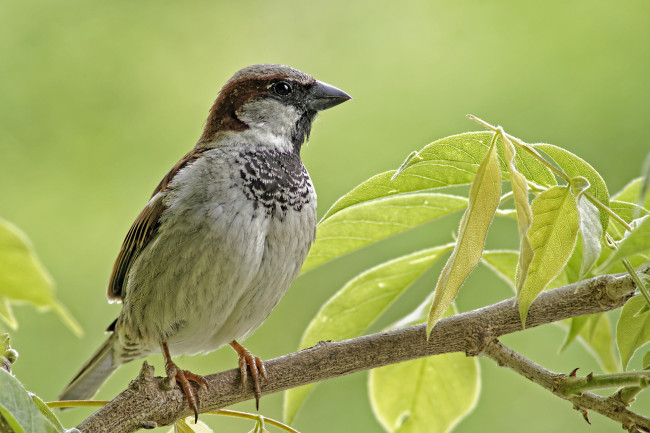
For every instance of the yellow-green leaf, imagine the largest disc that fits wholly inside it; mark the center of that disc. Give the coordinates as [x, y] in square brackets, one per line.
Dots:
[628, 212]
[597, 338]
[483, 201]
[358, 304]
[632, 330]
[595, 334]
[7, 313]
[503, 263]
[18, 409]
[360, 225]
[591, 234]
[553, 236]
[524, 213]
[24, 279]
[575, 166]
[430, 394]
[575, 325]
[631, 193]
[635, 242]
[186, 425]
[446, 162]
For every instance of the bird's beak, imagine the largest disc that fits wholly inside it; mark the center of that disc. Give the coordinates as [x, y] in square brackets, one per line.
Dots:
[323, 96]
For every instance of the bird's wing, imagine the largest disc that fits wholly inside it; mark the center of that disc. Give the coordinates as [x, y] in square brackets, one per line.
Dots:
[143, 230]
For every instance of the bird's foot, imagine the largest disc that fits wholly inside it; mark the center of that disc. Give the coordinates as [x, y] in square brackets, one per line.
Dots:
[251, 362]
[183, 378]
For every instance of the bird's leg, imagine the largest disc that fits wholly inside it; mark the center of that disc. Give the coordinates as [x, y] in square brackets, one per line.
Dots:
[256, 367]
[183, 378]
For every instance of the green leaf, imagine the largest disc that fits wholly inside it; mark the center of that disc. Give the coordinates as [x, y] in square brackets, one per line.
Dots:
[365, 223]
[358, 304]
[575, 326]
[7, 313]
[646, 361]
[644, 195]
[47, 412]
[524, 212]
[503, 263]
[552, 235]
[575, 166]
[631, 193]
[446, 162]
[24, 279]
[596, 337]
[484, 197]
[186, 425]
[591, 232]
[18, 408]
[632, 331]
[635, 242]
[430, 394]
[594, 333]
[628, 212]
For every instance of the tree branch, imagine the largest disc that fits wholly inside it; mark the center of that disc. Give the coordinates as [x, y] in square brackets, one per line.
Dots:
[144, 404]
[611, 407]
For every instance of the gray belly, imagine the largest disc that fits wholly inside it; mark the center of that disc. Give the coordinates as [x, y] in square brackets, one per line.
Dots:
[214, 275]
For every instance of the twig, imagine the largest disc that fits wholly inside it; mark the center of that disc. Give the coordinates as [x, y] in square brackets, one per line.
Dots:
[577, 385]
[144, 404]
[608, 406]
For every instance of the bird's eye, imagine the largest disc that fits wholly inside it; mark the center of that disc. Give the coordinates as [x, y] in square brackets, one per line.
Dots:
[282, 88]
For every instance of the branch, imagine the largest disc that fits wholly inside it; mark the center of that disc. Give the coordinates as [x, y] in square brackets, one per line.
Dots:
[611, 407]
[145, 405]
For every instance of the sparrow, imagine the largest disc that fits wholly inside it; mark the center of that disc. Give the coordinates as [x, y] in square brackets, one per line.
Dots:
[224, 234]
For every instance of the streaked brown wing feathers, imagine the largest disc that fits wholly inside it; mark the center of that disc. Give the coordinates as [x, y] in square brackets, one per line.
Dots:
[143, 230]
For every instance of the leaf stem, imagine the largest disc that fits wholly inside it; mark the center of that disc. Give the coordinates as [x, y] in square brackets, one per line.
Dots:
[253, 417]
[608, 211]
[76, 403]
[524, 146]
[637, 281]
[505, 197]
[554, 169]
[578, 385]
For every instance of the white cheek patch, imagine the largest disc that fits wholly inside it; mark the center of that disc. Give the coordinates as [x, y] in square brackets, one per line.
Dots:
[269, 115]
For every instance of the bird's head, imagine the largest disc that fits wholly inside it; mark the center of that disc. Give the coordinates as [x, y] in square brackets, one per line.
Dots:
[271, 99]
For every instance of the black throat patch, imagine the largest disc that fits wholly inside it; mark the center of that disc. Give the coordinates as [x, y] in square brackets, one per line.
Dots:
[275, 180]
[301, 130]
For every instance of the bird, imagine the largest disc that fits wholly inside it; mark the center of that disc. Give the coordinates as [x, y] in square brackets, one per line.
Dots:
[223, 235]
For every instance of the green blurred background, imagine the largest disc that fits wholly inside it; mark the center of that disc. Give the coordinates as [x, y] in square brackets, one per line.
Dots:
[99, 99]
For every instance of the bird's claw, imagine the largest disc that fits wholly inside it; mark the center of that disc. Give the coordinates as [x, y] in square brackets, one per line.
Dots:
[252, 363]
[183, 378]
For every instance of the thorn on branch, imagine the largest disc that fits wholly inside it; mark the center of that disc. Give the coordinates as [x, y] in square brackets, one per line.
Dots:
[573, 373]
[584, 412]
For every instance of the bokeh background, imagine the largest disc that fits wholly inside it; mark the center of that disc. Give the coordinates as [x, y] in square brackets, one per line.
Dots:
[99, 99]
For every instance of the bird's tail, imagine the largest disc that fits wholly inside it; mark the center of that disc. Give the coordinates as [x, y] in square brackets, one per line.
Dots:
[93, 374]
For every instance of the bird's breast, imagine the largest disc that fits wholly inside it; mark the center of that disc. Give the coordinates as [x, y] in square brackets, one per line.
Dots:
[237, 228]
